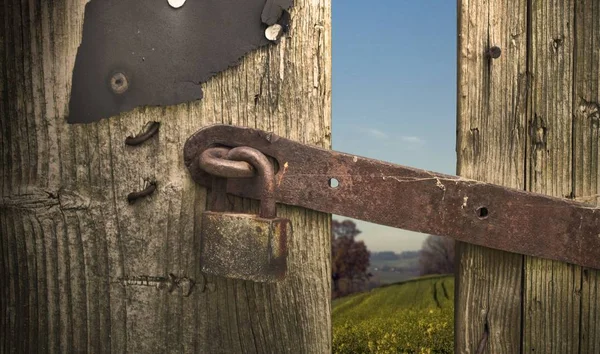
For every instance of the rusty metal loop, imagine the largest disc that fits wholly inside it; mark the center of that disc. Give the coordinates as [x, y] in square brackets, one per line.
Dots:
[267, 175]
[133, 196]
[151, 130]
[215, 162]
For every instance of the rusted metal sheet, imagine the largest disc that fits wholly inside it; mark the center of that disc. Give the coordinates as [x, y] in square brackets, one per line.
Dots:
[137, 53]
[412, 199]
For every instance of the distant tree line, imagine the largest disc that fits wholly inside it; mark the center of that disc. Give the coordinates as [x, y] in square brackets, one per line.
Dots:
[350, 259]
[393, 256]
[437, 255]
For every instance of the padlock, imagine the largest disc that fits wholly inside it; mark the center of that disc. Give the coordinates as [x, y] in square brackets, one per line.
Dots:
[245, 246]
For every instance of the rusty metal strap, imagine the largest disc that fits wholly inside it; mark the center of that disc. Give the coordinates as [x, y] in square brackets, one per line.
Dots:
[412, 199]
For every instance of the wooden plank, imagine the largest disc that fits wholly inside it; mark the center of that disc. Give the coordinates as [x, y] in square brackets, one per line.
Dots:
[559, 300]
[490, 147]
[586, 99]
[552, 289]
[73, 250]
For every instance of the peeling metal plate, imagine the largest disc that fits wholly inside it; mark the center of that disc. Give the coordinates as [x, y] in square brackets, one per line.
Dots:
[135, 53]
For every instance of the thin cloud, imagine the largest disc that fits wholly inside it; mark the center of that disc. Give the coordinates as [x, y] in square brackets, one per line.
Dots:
[373, 133]
[377, 134]
[412, 140]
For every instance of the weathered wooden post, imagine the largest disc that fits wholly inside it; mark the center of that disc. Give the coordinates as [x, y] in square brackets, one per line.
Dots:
[528, 119]
[81, 269]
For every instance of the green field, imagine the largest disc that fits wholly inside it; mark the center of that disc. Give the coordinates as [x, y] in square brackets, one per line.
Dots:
[415, 316]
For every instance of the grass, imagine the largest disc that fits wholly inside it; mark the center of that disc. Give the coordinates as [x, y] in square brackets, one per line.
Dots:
[414, 316]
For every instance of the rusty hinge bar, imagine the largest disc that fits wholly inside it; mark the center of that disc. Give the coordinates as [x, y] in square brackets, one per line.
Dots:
[412, 199]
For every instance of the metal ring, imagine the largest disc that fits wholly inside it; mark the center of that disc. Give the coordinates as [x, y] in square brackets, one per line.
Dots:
[138, 139]
[215, 162]
[133, 196]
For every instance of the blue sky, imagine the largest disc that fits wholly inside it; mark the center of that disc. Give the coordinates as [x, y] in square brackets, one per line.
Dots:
[394, 91]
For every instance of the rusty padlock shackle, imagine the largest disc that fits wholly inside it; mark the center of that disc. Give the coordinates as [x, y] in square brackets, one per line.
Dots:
[263, 166]
[240, 162]
[214, 161]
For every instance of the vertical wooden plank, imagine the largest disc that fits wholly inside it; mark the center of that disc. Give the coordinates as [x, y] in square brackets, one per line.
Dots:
[32, 279]
[42, 285]
[586, 100]
[552, 289]
[77, 282]
[492, 103]
[561, 159]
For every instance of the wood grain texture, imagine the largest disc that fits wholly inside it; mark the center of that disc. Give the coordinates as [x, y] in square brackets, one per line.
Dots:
[80, 268]
[551, 289]
[492, 109]
[586, 115]
[557, 155]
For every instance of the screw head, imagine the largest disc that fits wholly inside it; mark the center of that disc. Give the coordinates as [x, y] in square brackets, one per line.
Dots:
[274, 32]
[176, 3]
[119, 83]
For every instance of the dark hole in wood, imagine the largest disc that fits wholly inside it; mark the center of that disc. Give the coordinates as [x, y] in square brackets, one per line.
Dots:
[482, 212]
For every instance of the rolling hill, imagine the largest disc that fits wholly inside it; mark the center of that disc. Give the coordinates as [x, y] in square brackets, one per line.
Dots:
[390, 267]
[414, 316]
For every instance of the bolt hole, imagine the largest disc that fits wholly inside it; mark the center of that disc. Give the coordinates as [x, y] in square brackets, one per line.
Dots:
[334, 183]
[482, 212]
[118, 83]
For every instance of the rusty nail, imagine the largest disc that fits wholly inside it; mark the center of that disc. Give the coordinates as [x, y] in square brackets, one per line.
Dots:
[494, 52]
[133, 196]
[151, 130]
[172, 281]
[119, 83]
[186, 285]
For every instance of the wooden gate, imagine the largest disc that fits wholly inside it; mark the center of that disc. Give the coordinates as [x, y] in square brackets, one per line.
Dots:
[529, 120]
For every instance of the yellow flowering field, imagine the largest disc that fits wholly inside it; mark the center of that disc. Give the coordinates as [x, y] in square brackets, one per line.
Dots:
[416, 316]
